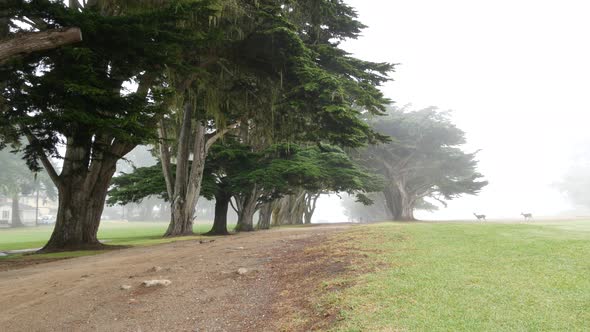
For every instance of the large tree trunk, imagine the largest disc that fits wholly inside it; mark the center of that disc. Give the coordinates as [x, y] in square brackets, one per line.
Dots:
[187, 183]
[184, 187]
[247, 210]
[407, 213]
[290, 209]
[88, 166]
[78, 218]
[407, 204]
[82, 186]
[222, 199]
[181, 223]
[298, 207]
[79, 211]
[38, 41]
[393, 202]
[280, 211]
[16, 220]
[264, 216]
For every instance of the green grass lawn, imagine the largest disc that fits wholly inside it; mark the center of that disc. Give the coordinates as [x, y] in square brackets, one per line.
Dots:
[470, 277]
[116, 233]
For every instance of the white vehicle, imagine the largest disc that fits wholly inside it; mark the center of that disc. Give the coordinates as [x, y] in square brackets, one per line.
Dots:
[47, 220]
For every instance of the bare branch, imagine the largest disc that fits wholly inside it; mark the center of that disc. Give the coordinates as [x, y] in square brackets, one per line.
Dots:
[46, 162]
[213, 137]
[165, 158]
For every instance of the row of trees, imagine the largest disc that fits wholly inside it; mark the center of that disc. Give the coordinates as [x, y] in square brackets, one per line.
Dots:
[423, 163]
[282, 181]
[246, 99]
[180, 75]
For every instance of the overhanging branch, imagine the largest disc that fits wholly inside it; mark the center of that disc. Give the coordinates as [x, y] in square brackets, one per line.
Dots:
[46, 162]
[213, 137]
[38, 41]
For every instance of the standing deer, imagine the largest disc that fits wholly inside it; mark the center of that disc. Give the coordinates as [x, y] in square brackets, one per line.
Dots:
[480, 216]
[527, 216]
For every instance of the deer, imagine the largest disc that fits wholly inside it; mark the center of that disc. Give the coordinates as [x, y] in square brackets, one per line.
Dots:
[527, 216]
[480, 216]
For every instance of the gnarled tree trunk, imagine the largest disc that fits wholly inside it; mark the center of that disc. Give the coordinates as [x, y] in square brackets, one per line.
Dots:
[264, 216]
[78, 217]
[298, 207]
[246, 211]
[310, 206]
[290, 209]
[222, 199]
[82, 186]
[406, 202]
[393, 202]
[184, 187]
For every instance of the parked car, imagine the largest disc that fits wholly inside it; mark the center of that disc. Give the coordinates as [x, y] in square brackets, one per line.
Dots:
[47, 220]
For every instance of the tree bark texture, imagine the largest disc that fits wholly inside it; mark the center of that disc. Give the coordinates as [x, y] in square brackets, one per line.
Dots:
[222, 199]
[290, 209]
[406, 201]
[399, 202]
[264, 216]
[393, 202]
[82, 186]
[187, 182]
[184, 187]
[38, 41]
[246, 211]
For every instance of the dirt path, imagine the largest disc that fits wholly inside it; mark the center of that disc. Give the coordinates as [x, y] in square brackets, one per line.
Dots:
[206, 294]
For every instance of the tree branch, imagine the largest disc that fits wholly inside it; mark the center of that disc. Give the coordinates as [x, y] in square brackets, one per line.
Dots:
[165, 158]
[38, 41]
[213, 137]
[46, 162]
[232, 204]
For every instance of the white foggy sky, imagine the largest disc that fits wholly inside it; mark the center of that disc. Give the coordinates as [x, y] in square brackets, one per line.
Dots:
[516, 75]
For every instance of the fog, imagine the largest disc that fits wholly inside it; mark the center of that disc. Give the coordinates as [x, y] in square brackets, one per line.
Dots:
[515, 74]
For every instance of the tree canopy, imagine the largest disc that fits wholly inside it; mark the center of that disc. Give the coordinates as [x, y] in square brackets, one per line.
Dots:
[424, 160]
[180, 75]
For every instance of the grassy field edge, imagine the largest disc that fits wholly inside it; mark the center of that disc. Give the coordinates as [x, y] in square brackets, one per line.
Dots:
[462, 277]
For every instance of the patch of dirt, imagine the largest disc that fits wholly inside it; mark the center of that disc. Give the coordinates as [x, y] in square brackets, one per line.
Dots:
[322, 269]
[13, 264]
[283, 267]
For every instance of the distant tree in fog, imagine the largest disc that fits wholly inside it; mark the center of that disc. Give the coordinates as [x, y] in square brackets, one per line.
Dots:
[378, 211]
[423, 160]
[16, 179]
[576, 185]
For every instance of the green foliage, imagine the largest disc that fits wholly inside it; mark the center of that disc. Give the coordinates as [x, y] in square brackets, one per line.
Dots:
[320, 87]
[274, 66]
[275, 171]
[135, 186]
[79, 91]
